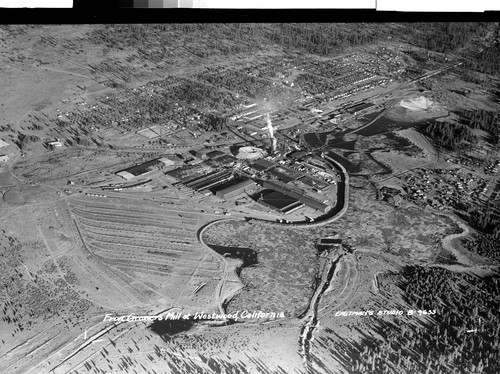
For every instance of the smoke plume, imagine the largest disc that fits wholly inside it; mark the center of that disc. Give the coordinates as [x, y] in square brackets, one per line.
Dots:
[271, 132]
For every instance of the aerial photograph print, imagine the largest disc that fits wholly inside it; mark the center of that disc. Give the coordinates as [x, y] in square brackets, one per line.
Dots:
[250, 198]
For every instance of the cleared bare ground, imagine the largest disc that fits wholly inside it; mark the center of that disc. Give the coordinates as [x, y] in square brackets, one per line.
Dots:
[81, 259]
[151, 245]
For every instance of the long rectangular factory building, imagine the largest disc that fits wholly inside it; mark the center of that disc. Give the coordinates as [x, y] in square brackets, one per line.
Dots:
[307, 200]
[236, 189]
[141, 169]
[192, 180]
[285, 174]
[279, 201]
[210, 181]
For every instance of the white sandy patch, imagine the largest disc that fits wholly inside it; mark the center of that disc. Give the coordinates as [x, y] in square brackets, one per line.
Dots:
[417, 104]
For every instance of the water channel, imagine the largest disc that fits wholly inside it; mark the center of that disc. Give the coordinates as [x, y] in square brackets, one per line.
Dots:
[311, 314]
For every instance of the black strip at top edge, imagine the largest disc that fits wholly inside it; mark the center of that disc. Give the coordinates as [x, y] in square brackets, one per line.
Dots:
[84, 12]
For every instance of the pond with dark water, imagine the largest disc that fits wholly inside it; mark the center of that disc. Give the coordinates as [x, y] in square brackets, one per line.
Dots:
[247, 255]
[342, 144]
[168, 328]
[380, 126]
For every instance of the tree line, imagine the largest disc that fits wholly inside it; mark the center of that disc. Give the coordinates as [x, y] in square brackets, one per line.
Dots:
[462, 337]
[486, 62]
[458, 136]
[214, 123]
[319, 38]
[486, 241]
[449, 135]
[484, 245]
[485, 120]
[445, 36]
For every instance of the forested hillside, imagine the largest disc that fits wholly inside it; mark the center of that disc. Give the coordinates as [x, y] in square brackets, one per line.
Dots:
[458, 333]
[322, 39]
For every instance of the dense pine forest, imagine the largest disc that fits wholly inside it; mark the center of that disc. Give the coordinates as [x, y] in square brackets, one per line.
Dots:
[483, 120]
[487, 245]
[448, 135]
[486, 241]
[459, 136]
[321, 39]
[461, 337]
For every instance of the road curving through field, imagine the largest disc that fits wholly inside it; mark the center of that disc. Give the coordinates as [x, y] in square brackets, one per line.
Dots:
[221, 299]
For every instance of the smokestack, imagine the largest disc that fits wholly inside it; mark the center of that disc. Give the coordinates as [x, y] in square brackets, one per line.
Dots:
[271, 132]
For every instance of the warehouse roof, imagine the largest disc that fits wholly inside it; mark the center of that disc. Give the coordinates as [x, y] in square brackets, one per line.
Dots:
[242, 184]
[262, 164]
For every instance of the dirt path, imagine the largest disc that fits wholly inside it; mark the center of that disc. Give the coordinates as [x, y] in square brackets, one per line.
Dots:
[52, 254]
[66, 72]
[220, 286]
